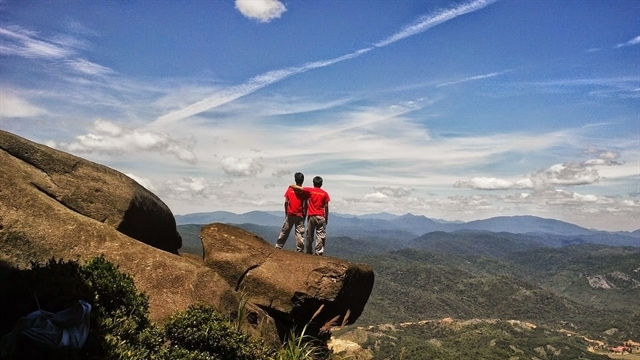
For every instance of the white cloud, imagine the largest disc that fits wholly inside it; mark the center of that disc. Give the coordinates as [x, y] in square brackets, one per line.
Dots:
[241, 166]
[191, 188]
[604, 157]
[375, 197]
[569, 198]
[261, 10]
[12, 106]
[189, 184]
[108, 128]
[568, 174]
[109, 138]
[490, 183]
[634, 41]
[389, 191]
[146, 183]
[199, 192]
[609, 155]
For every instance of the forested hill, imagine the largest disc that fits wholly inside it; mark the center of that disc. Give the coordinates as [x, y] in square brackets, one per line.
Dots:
[501, 304]
[470, 292]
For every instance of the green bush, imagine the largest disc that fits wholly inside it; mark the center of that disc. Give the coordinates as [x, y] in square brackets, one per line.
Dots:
[120, 327]
[201, 328]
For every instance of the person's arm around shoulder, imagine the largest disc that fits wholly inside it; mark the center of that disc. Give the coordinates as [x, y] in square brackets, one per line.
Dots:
[297, 188]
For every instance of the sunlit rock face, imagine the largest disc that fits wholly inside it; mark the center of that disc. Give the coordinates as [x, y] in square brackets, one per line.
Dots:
[290, 286]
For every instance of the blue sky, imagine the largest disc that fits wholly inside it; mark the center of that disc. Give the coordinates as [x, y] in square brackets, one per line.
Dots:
[453, 110]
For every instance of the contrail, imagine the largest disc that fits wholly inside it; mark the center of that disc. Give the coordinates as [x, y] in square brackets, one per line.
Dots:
[428, 21]
[472, 78]
[227, 95]
[224, 96]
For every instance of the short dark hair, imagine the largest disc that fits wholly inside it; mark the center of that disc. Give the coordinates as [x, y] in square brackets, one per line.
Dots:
[317, 181]
[299, 178]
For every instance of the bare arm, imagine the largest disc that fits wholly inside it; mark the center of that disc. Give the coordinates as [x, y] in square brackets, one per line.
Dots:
[304, 209]
[286, 205]
[326, 213]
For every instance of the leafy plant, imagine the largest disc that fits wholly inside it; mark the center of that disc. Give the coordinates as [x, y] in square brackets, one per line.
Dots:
[120, 327]
[201, 328]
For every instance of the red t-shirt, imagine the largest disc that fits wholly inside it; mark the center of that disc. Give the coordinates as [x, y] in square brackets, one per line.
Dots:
[318, 198]
[296, 201]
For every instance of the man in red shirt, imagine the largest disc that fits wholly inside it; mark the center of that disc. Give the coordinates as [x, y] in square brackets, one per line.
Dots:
[295, 203]
[318, 215]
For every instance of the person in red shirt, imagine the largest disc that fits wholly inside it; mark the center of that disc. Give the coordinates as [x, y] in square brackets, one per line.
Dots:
[295, 203]
[317, 215]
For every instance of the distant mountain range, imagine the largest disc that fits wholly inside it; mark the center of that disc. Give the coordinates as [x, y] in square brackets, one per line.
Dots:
[404, 227]
[527, 269]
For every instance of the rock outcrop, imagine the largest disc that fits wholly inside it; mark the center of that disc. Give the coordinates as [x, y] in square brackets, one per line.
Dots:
[56, 205]
[46, 212]
[289, 286]
[89, 189]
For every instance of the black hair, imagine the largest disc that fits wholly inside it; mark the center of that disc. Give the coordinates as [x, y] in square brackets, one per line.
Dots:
[299, 178]
[317, 181]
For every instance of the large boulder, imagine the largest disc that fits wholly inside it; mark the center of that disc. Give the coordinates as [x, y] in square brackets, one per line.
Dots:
[42, 217]
[290, 286]
[92, 190]
[56, 205]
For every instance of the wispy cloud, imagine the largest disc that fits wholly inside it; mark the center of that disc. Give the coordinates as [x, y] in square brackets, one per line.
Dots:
[634, 41]
[626, 86]
[473, 78]
[428, 21]
[89, 68]
[271, 77]
[235, 92]
[16, 41]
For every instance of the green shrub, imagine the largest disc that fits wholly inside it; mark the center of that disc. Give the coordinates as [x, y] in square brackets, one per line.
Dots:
[201, 328]
[120, 327]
